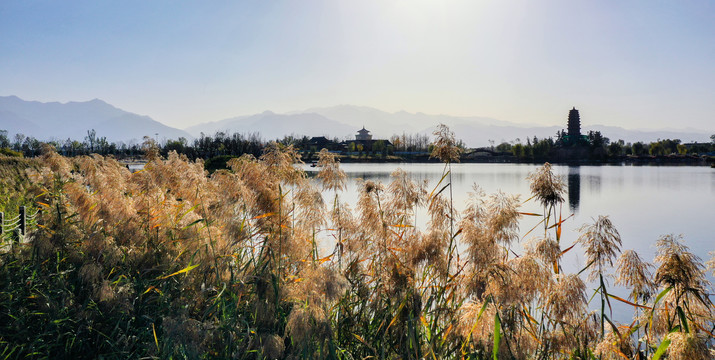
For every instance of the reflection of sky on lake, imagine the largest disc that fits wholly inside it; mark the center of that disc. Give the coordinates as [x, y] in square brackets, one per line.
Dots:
[643, 202]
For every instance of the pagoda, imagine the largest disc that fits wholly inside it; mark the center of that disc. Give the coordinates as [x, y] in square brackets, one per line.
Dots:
[574, 125]
[363, 135]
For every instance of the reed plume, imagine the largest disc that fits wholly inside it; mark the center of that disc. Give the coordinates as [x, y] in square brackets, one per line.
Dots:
[445, 146]
[677, 266]
[602, 243]
[503, 215]
[633, 273]
[566, 298]
[548, 188]
[688, 346]
[615, 346]
[545, 249]
[330, 174]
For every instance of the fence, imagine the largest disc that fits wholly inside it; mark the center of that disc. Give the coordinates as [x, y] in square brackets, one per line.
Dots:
[16, 228]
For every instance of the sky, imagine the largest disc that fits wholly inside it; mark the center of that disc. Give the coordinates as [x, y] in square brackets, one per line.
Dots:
[635, 64]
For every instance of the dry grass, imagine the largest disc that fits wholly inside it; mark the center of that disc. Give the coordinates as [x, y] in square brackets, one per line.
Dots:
[170, 262]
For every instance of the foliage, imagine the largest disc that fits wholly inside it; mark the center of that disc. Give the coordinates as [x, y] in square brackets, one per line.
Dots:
[8, 152]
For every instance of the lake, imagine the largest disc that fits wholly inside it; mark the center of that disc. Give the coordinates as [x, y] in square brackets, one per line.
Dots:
[643, 202]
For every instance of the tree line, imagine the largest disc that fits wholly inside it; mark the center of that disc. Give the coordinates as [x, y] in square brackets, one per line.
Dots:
[207, 146]
[598, 147]
[595, 146]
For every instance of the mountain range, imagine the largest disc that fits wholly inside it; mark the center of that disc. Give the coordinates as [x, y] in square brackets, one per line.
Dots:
[59, 121]
[54, 120]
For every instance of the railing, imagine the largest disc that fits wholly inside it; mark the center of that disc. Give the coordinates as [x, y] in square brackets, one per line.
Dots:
[15, 229]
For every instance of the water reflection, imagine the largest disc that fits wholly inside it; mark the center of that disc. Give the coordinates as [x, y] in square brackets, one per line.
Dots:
[574, 187]
[643, 202]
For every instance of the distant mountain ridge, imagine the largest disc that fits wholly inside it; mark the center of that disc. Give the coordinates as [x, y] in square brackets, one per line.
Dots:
[343, 121]
[59, 121]
[271, 126]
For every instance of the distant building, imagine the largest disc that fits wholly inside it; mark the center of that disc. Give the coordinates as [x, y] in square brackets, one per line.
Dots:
[573, 136]
[363, 135]
[364, 139]
[574, 124]
[319, 142]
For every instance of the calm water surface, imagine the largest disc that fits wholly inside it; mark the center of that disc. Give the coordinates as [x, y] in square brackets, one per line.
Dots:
[643, 202]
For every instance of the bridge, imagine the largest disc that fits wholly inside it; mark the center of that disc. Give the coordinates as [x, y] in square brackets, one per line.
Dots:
[485, 150]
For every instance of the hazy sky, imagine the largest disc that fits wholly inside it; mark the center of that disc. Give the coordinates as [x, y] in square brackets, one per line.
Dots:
[636, 64]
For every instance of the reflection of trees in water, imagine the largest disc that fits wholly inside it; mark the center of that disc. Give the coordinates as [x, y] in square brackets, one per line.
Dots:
[386, 176]
[574, 187]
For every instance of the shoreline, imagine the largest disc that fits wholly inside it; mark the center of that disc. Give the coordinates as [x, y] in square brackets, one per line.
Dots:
[625, 160]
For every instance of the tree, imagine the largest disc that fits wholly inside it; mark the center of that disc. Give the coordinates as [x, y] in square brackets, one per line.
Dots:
[518, 150]
[503, 147]
[176, 145]
[682, 149]
[541, 148]
[91, 139]
[615, 148]
[638, 148]
[378, 146]
[19, 139]
[596, 139]
[656, 149]
[31, 146]
[103, 145]
[4, 140]
[671, 146]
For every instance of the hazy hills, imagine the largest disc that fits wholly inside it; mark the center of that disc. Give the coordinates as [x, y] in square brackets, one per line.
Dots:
[60, 121]
[275, 126]
[343, 121]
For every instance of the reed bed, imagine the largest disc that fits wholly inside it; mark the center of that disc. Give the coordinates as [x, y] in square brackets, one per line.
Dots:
[170, 262]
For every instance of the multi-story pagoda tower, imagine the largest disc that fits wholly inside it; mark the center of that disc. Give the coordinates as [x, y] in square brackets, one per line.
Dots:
[574, 125]
[363, 135]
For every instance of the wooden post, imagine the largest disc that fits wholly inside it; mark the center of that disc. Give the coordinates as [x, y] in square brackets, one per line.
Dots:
[23, 221]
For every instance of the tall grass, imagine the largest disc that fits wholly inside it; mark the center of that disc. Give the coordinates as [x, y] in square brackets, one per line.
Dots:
[169, 262]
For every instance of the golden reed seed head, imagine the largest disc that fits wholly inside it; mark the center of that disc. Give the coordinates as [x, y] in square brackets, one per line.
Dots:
[405, 194]
[614, 346]
[711, 263]
[688, 346]
[150, 148]
[699, 314]
[503, 217]
[530, 278]
[368, 206]
[548, 188]
[445, 145]
[311, 207]
[602, 243]
[545, 249]
[330, 174]
[566, 300]
[482, 326]
[280, 159]
[633, 273]
[438, 211]
[677, 266]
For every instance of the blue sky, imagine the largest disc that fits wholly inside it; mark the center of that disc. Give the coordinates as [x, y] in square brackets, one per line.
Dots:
[636, 64]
